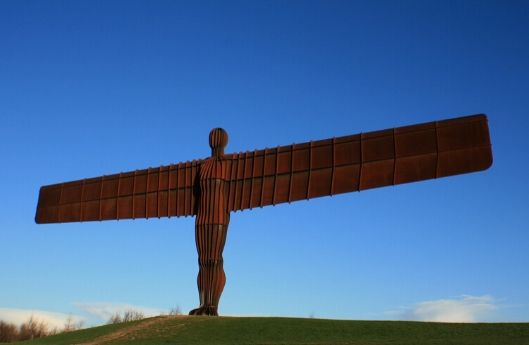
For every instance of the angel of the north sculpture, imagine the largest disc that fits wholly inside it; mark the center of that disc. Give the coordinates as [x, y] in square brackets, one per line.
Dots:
[211, 188]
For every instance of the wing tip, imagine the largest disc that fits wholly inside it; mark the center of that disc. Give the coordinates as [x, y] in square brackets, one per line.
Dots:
[39, 219]
[490, 157]
[489, 160]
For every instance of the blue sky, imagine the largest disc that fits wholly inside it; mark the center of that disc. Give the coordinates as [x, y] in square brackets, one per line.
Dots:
[97, 87]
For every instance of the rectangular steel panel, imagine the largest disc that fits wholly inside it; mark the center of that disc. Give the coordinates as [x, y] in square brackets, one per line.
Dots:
[283, 174]
[135, 194]
[370, 160]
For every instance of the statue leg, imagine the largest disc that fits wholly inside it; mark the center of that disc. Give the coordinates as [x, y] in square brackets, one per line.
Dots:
[210, 240]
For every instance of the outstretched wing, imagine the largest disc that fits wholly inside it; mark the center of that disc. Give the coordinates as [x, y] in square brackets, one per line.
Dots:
[357, 162]
[155, 192]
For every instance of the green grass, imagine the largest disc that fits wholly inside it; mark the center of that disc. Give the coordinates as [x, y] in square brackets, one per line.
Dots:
[260, 330]
[80, 336]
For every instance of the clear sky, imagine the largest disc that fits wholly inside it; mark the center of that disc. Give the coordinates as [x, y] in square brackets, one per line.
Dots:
[97, 87]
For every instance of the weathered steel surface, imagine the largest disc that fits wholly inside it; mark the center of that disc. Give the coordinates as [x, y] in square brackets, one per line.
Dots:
[165, 191]
[211, 225]
[357, 162]
[211, 188]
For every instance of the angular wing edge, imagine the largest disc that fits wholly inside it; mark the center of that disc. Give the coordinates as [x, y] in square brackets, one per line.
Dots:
[165, 191]
[358, 162]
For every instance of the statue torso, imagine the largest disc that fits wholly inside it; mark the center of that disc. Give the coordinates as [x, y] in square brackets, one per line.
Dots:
[213, 198]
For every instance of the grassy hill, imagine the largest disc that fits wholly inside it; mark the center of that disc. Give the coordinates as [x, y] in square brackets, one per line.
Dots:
[271, 330]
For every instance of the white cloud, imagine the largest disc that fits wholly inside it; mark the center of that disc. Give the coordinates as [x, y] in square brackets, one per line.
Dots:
[52, 319]
[104, 310]
[465, 308]
[91, 313]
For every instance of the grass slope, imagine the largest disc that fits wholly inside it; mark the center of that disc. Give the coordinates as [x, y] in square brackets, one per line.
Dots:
[261, 330]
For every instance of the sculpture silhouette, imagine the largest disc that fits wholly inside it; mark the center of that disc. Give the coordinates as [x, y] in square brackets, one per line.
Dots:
[211, 224]
[212, 188]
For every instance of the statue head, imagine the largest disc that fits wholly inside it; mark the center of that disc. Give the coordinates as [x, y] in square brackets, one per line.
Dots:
[218, 139]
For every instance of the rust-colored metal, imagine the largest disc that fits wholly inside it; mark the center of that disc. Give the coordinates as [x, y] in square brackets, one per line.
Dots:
[211, 224]
[211, 188]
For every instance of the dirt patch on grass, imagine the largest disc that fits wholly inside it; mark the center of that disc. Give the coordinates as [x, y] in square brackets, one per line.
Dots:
[129, 331]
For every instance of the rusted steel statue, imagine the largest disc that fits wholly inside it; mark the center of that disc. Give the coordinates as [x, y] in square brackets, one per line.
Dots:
[212, 188]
